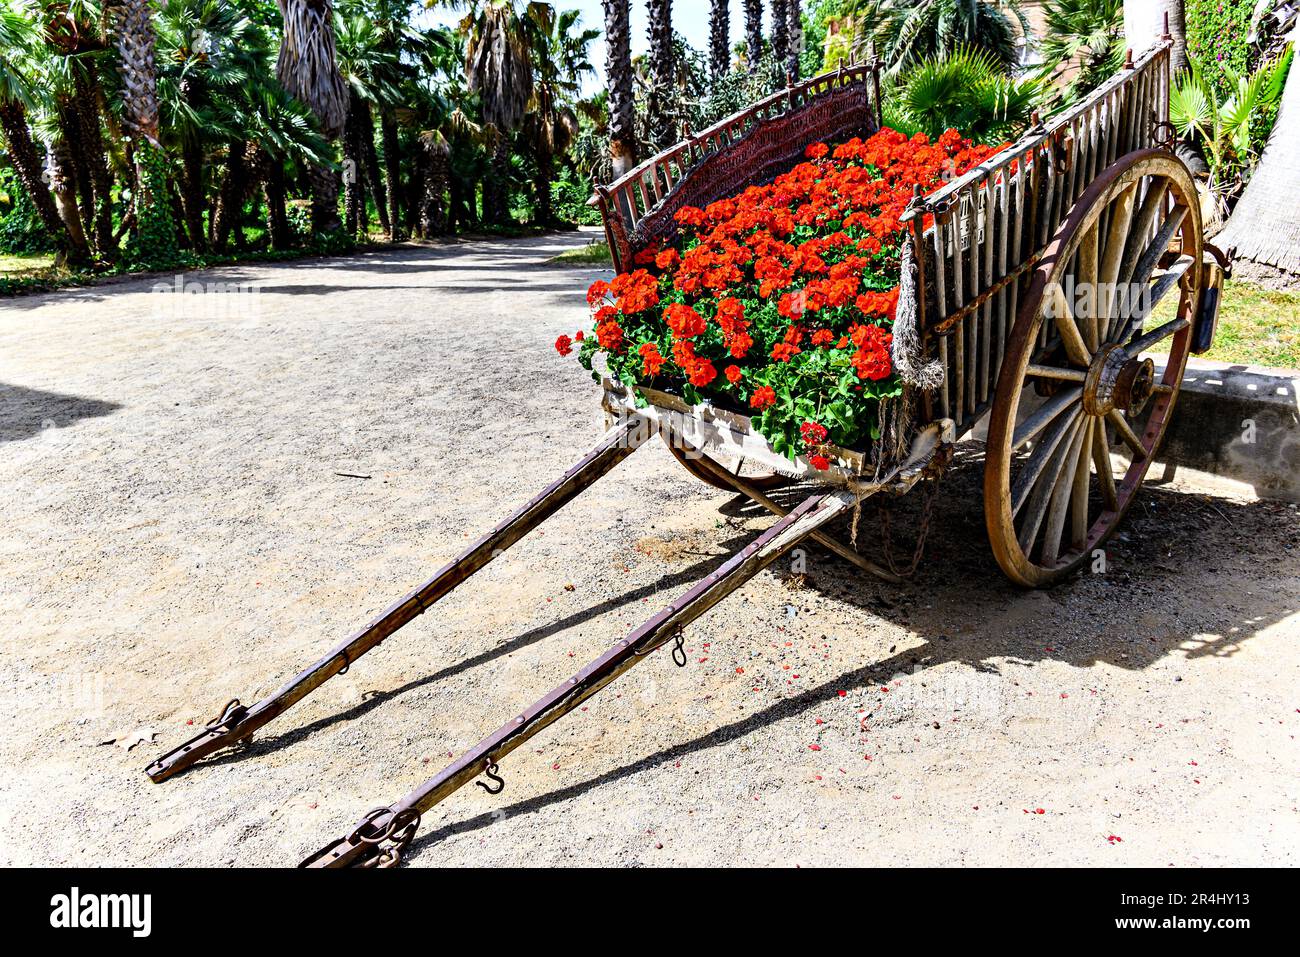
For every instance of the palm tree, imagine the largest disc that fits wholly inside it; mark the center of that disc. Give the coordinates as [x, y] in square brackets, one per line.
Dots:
[283, 131]
[1264, 229]
[904, 32]
[965, 90]
[307, 70]
[499, 68]
[781, 32]
[202, 59]
[618, 74]
[1145, 21]
[663, 131]
[69, 71]
[753, 32]
[18, 38]
[1225, 127]
[371, 68]
[154, 236]
[794, 38]
[1084, 40]
[559, 45]
[719, 39]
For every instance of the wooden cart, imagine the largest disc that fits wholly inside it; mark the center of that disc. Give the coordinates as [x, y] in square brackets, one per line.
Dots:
[992, 271]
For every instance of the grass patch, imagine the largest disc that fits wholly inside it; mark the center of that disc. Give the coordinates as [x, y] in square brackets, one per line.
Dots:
[1256, 326]
[23, 266]
[593, 254]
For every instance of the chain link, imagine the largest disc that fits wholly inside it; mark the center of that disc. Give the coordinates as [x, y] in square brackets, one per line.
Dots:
[923, 530]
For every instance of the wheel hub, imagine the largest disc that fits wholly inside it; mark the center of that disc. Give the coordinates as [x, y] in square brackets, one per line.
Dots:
[1116, 380]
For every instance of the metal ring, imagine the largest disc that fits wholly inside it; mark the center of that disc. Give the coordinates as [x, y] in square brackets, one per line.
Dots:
[370, 818]
[1164, 140]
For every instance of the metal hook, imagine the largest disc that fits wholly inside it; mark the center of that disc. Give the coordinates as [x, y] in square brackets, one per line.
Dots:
[679, 649]
[490, 769]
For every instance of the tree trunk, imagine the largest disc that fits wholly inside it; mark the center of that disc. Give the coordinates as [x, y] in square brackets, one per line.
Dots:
[63, 186]
[1264, 226]
[781, 33]
[618, 70]
[352, 168]
[27, 163]
[277, 219]
[370, 156]
[87, 103]
[324, 184]
[1145, 22]
[545, 176]
[458, 213]
[753, 31]
[230, 201]
[720, 39]
[392, 171]
[663, 132]
[413, 196]
[794, 39]
[192, 192]
[74, 141]
[183, 240]
[433, 208]
[496, 190]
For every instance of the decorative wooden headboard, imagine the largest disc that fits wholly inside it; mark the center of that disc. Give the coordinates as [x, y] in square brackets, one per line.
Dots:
[749, 148]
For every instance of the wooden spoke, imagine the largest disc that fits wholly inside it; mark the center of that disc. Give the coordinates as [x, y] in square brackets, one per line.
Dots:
[1039, 458]
[1143, 223]
[1075, 346]
[1101, 462]
[1108, 295]
[1159, 289]
[1051, 372]
[1086, 283]
[1044, 414]
[1150, 258]
[1041, 497]
[1116, 418]
[1079, 493]
[1061, 495]
[1141, 345]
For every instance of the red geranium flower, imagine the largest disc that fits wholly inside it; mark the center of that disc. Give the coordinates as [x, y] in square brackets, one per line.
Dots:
[813, 433]
[564, 345]
[763, 397]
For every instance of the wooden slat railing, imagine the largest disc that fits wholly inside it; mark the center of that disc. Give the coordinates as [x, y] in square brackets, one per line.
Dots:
[749, 147]
[991, 224]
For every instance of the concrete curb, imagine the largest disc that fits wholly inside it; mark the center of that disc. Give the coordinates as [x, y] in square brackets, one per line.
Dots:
[1237, 427]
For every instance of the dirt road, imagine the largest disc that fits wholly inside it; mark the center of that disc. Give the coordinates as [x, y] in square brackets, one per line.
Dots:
[201, 493]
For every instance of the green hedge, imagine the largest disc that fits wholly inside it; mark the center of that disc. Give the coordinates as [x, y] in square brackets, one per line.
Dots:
[1216, 36]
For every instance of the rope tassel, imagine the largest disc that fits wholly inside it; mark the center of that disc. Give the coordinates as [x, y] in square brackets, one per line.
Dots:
[908, 349]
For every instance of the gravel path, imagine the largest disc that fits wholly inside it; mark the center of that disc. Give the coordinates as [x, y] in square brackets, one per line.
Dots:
[183, 525]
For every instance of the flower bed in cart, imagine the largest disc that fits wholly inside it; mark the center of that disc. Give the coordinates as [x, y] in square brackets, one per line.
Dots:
[780, 301]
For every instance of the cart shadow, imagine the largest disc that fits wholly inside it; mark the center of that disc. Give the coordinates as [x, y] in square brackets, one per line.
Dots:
[25, 413]
[1148, 604]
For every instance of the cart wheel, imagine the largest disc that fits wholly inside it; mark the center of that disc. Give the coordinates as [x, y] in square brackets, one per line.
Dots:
[1052, 494]
[761, 479]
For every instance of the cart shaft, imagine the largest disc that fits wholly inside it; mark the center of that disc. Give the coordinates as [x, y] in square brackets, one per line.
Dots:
[384, 833]
[237, 723]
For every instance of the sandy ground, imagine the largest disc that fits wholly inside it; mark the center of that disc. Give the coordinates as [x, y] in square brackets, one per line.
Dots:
[177, 533]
